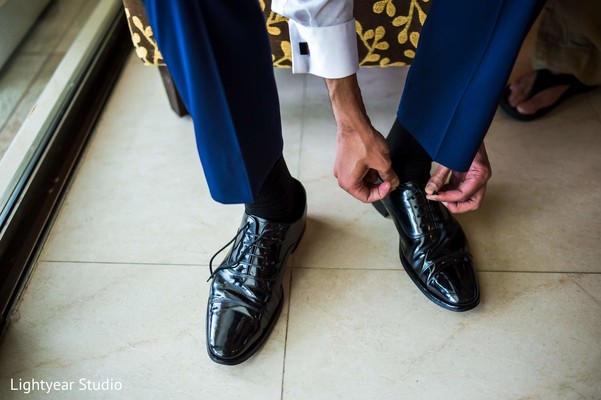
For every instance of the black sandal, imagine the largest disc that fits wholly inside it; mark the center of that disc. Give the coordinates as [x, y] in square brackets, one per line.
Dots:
[545, 79]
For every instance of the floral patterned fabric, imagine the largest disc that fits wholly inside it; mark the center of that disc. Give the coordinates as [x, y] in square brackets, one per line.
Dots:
[387, 32]
[141, 33]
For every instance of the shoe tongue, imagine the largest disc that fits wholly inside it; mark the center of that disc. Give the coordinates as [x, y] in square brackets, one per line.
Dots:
[412, 192]
[261, 227]
[253, 224]
[431, 213]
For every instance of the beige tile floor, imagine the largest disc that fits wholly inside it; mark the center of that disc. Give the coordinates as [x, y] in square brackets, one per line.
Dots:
[119, 292]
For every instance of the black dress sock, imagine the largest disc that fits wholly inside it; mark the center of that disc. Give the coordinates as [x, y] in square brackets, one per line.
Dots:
[409, 159]
[281, 197]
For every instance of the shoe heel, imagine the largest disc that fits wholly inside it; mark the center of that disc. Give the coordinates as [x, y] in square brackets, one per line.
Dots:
[379, 206]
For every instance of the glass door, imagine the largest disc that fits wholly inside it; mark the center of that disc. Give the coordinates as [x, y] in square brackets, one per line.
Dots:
[58, 60]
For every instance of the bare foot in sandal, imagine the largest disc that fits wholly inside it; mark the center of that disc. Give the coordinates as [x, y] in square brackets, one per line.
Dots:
[533, 95]
[521, 89]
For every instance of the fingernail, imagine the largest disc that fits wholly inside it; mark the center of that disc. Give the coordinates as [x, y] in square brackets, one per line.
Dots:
[430, 189]
[444, 203]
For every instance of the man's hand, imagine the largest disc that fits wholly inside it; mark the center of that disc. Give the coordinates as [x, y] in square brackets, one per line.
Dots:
[362, 165]
[465, 190]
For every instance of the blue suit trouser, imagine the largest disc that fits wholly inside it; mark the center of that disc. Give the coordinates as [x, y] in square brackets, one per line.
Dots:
[219, 55]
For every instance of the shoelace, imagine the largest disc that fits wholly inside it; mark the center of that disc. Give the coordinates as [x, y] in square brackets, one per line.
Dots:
[423, 209]
[255, 243]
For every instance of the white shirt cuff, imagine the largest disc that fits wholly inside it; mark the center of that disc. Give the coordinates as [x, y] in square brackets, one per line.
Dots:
[329, 52]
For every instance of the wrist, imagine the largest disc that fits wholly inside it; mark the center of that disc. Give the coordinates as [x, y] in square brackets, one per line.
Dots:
[347, 105]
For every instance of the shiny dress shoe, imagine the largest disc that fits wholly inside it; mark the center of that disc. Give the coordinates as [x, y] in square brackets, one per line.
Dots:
[433, 248]
[246, 295]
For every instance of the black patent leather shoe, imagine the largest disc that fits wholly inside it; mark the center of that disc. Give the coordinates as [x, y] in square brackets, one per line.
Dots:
[246, 295]
[433, 248]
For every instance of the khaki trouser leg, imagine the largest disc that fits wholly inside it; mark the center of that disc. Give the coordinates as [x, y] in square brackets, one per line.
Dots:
[569, 39]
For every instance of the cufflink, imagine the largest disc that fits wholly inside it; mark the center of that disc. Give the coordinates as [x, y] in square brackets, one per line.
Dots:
[304, 48]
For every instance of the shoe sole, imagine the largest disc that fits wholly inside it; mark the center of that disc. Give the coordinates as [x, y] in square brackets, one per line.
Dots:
[263, 338]
[379, 206]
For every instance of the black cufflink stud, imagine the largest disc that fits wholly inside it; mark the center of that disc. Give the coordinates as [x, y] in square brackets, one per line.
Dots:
[304, 48]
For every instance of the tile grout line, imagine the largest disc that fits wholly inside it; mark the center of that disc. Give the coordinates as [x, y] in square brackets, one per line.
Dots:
[298, 174]
[286, 333]
[540, 272]
[121, 263]
[306, 268]
[479, 271]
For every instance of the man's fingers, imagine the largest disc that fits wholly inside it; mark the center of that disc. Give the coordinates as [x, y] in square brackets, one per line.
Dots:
[371, 193]
[371, 177]
[390, 176]
[454, 181]
[470, 204]
[468, 196]
[456, 208]
[364, 187]
[463, 192]
[380, 191]
[438, 179]
[463, 207]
